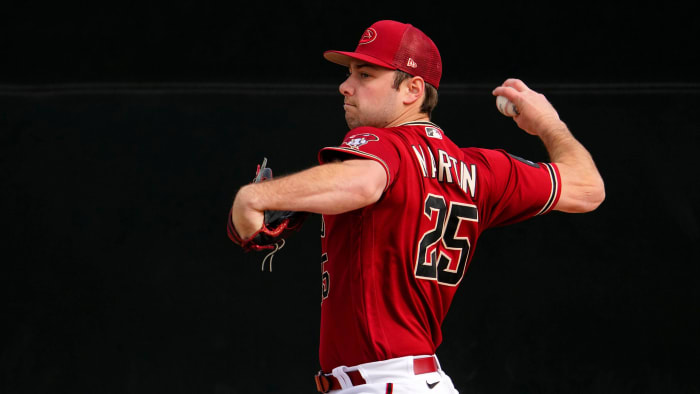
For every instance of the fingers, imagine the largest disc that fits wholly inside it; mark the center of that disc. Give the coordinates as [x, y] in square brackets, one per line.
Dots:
[506, 91]
[509, 87]
[516, 84]
[535, 114]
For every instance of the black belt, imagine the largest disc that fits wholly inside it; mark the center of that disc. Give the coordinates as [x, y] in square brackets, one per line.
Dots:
[328, 382]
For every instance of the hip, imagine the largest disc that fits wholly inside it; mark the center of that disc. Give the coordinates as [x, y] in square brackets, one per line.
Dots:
[411, 374]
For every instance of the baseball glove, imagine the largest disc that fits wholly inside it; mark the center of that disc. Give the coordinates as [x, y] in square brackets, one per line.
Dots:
[277, 225]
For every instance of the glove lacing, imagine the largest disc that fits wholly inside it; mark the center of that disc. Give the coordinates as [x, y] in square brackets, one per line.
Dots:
[270, 255]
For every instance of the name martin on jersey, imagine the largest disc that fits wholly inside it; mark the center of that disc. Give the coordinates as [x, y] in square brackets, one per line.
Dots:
[446, 169]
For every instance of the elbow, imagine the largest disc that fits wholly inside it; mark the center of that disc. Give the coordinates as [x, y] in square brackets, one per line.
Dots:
[600, 194]
[582, 198]
[370, 192]
[352, 198]
[595, 198]
[369, 183]
[359, 183]
[592, 197]
[597, 193]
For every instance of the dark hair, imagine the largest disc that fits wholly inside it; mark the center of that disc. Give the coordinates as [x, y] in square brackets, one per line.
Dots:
[430, 98]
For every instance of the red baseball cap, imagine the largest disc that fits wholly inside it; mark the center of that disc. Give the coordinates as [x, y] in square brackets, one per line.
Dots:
[398, 46]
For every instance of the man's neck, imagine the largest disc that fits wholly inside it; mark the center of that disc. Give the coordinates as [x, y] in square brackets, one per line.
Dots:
[415, 117]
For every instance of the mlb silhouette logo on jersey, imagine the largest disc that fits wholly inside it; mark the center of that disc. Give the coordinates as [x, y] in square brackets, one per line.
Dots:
[433, 133]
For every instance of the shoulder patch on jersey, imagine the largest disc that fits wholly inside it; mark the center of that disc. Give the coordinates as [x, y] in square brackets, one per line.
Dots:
[355, 141]
[432, 132]
[528, 162]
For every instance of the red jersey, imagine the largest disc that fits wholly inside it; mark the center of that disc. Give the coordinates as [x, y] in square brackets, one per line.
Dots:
[391, 269]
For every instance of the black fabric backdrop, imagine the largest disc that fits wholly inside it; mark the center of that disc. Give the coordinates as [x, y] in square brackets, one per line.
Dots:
[123, 141]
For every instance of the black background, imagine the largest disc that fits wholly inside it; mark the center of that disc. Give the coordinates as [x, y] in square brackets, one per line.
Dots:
[126, 129]
[281, 42]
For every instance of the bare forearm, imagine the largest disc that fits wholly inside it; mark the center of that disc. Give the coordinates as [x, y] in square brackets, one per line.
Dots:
[563, 147]
[582, 186]
[319, 189]
[328, 189]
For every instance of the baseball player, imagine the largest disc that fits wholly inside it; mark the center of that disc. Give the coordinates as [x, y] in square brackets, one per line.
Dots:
[403, 207]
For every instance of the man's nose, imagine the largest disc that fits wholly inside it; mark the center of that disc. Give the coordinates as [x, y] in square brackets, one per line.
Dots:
[345, 88]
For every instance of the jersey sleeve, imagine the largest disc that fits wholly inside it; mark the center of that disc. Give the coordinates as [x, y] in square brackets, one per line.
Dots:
[366, 143]
[518, 189]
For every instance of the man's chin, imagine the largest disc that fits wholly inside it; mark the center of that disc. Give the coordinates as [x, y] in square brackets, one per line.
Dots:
[352, 123]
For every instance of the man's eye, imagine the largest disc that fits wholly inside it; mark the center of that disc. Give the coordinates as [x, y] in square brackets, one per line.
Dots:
[360, 74]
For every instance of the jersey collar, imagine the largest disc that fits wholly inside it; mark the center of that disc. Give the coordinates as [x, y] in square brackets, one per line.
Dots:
[420, 123]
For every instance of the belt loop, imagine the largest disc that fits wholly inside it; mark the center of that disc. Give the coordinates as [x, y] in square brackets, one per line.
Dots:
[323, 385]
[342, 377]
[437, 362]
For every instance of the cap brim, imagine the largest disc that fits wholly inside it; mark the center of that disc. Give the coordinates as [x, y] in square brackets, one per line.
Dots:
[344, 58]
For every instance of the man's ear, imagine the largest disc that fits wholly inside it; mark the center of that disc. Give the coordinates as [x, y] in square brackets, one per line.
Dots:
[414, 90]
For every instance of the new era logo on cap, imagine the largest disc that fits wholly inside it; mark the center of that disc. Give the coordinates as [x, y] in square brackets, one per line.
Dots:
[398, 46]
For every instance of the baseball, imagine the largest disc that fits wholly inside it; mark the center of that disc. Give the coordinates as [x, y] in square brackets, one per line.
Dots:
[506, 107]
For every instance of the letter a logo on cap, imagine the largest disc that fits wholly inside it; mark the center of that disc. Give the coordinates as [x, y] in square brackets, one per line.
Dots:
[368, 36]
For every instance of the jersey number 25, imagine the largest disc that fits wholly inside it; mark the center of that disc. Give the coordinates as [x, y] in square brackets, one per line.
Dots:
[445, 245]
